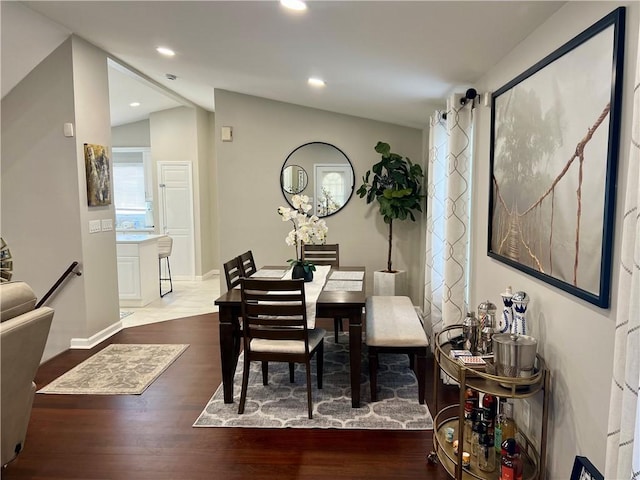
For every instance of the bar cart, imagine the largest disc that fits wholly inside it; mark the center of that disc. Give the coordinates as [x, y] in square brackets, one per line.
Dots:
[485, 382]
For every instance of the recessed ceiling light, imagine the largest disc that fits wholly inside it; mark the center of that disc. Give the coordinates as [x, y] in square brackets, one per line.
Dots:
[316, 82]
[134, 104]
[165, 51]
[297, 5]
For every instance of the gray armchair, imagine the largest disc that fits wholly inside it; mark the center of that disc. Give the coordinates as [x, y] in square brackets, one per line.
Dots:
[23, 335]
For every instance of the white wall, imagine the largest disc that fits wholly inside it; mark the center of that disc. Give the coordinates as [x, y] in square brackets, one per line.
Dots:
[93, 125]
[44, 201]
[264, 133]
[575, 337]
[134, 134]
[179, 134]
[208, 261]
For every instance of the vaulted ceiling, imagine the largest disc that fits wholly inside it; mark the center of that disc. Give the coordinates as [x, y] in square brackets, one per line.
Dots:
[392, 61]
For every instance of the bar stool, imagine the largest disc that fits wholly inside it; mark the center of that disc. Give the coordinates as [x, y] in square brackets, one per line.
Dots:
[165, 245]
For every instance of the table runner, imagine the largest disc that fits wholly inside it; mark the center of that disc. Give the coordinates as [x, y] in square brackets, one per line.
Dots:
[312, 291]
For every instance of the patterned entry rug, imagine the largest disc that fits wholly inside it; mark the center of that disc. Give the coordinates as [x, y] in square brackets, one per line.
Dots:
[117, 369]
[284, 405]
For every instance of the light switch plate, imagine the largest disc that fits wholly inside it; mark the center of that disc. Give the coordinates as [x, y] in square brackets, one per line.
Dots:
[226, 134]
[107, 224]
[94, 226]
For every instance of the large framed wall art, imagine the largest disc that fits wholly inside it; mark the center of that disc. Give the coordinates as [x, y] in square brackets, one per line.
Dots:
[554, 152]
[98, 174]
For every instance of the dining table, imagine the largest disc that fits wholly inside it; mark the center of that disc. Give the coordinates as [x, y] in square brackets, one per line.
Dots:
[342, 296]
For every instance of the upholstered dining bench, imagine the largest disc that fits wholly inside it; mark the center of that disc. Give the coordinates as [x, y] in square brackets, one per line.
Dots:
[393, 326]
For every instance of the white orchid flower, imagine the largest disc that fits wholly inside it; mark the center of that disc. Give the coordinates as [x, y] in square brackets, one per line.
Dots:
[306, 228]
[291, 238]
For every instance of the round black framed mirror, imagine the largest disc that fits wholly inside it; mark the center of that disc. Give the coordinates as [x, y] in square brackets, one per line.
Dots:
[327, 173]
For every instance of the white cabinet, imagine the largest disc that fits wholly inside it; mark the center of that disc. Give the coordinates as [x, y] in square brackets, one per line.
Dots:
[138, 276]
[128, 276]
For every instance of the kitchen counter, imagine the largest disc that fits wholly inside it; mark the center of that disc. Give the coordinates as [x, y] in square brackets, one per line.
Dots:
[138, 274]
[136, 237]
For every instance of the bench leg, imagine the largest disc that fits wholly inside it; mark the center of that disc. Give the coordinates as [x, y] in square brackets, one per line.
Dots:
[265, 373]
[373, 373]
[421, 374]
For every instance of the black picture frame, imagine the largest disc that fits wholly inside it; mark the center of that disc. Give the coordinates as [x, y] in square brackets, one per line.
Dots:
[555, 138]
[583, 469]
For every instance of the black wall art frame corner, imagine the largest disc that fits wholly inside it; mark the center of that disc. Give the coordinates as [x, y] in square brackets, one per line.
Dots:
[555, 139]
[583, 469]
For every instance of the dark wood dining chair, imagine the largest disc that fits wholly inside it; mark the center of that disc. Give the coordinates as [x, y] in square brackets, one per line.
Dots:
[274, 316]
[327, 254]
[232, 272]
[247, 264]
[232, 275]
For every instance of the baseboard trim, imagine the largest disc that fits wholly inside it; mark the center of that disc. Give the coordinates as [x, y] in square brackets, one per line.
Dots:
[207, 275]
[101, 336]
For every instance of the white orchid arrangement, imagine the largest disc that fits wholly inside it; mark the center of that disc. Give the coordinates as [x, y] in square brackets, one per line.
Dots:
[307, 228]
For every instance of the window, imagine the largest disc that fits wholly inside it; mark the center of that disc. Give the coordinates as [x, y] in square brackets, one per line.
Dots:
[133, 211]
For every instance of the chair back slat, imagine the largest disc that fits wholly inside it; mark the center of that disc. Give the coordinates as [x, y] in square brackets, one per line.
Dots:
[277, 334]
[247, 264]
[328, 254]
[279, 309]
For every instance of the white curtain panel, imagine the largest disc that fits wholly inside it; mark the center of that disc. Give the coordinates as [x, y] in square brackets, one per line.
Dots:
[436, 188]
[623, 436]
[448, 209]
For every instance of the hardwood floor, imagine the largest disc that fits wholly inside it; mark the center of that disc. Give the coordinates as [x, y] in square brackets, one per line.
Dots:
[150, 436]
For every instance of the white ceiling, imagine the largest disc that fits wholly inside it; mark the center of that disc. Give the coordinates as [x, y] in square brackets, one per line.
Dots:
[386, 60]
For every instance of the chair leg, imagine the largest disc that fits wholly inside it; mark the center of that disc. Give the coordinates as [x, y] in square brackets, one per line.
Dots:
[337, 327]
[320, 363]
[265, 373]
[373, 373]
[292, 367]
[245, 383]
[168, 278]
[309, 403]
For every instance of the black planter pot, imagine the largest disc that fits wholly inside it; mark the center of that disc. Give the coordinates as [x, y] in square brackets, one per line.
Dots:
[299, 272]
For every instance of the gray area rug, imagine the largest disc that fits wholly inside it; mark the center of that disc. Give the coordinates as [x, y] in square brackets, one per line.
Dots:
[117, 369]
[284, 405]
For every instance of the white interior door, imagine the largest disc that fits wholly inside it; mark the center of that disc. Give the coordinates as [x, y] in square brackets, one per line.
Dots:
[176, 216]
[333, 184]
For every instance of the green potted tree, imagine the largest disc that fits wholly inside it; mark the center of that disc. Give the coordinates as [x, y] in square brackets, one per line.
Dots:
[396, 184]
